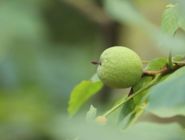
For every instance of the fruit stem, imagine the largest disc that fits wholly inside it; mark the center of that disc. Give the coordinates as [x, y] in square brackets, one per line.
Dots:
[96, 62]
[156, 78]
[145, 61]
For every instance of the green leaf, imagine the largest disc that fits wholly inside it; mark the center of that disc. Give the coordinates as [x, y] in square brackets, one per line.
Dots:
[170, 20]
[182, 22]
[173, 18]
[130, 106]
[181, 14]
[152, 131]
[134, 116]
[126, 109]
[157, 64]
[81, 93]
[167, 98]
[124, 12]
[178, 58]
[134, 108]
[140, 131]
[91, 114]
[142, 82]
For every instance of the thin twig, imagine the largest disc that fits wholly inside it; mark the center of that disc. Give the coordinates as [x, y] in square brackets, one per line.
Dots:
[152, 73]
[165, 70]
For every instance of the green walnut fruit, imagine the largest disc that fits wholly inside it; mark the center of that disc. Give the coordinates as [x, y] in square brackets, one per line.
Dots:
[119, 67]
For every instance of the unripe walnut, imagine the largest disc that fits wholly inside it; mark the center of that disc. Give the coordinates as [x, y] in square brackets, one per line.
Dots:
[119, 67]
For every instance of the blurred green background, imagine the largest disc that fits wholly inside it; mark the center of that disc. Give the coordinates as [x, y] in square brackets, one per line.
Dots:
[46, 47]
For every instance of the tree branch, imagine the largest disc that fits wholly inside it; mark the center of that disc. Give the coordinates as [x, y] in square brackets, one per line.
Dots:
[165, 70]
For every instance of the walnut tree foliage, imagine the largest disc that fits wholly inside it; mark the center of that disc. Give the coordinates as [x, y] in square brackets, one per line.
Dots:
[160, 92]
